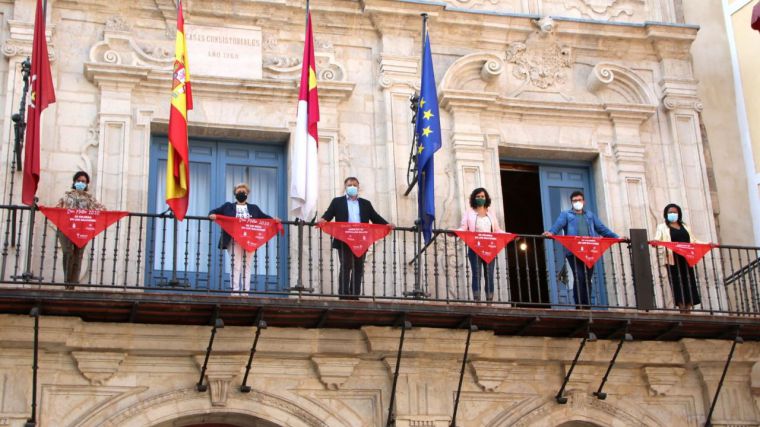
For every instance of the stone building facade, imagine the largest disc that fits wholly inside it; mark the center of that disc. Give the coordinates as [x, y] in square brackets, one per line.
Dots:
[144, 375]
[608, 87]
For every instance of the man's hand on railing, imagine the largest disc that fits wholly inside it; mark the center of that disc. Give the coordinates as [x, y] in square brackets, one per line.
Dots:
[212, 217]
[547, 234]
[321, 221]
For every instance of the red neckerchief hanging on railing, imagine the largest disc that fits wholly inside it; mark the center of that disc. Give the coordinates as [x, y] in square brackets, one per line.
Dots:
[81, 225]
[486, 245]
[693, 252]
[585, 248]
[250, 233]
[358, 236]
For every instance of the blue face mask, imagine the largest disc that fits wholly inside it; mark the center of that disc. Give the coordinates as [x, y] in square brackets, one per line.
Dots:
[672, 217]
[352, 191]
[80, 185]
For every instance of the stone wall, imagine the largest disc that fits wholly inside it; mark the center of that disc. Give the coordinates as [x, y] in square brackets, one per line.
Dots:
[144, 375]
[619, 95]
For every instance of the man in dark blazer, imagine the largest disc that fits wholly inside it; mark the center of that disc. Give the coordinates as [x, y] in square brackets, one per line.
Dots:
[350, 208]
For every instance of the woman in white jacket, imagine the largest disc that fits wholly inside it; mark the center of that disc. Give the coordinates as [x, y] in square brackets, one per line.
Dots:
[479, 218]
[683, 280]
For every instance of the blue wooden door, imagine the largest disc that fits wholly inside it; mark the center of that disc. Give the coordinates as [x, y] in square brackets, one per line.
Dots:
[215, 167]
[557, 183]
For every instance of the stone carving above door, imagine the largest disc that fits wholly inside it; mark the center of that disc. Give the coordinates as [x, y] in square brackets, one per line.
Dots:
[540, 61]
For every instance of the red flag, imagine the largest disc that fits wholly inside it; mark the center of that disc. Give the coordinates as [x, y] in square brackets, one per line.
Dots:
[42, 94]
[250, 233]
[756, 17]
[304, 174]
[693, 252]
[587, 249]
[358, 236]
[81, 225]
[486, 245]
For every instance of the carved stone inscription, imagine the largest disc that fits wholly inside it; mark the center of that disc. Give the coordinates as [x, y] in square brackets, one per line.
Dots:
[232, 52]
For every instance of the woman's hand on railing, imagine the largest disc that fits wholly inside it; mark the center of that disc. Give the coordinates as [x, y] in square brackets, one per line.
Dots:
[212, 217]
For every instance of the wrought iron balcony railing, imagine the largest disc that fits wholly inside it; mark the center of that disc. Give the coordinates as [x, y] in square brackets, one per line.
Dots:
[148, 253]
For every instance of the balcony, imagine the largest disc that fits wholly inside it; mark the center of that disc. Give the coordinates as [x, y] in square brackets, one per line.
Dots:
[148, 269]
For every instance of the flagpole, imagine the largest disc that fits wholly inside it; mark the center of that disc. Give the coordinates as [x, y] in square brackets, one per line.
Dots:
[19, 127]
[300, 221]
[174, 282]
[417, 291]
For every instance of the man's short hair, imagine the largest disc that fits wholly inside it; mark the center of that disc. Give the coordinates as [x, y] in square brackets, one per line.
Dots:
[577, 193]
[350, 178]
[241, 185]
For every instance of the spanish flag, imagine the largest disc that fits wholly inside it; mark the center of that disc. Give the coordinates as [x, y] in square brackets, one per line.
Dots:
[304, 176]
[177, 164]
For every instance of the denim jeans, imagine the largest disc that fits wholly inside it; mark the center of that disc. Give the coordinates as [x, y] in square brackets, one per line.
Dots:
[477, 265]
[582, 278]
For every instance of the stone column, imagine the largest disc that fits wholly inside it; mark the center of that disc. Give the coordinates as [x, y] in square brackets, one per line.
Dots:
[683, 152]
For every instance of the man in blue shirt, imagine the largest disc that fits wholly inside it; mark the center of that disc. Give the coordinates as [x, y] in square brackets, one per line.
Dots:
[579, 222]
[350, 208]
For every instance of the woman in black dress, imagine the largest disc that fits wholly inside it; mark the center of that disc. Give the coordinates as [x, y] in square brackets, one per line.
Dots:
[683, 280]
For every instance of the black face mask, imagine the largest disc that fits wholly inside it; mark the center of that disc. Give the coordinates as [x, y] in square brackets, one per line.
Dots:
[240, 196]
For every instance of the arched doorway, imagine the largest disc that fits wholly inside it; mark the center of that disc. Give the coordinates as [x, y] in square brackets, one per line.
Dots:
[218, 420]
[578, 424]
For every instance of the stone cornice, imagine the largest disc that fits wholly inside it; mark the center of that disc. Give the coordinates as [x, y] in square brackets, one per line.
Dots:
[119, 61]
[457, 100]
[633, 113]
[19, 41]
[456, 26]
[144, 77]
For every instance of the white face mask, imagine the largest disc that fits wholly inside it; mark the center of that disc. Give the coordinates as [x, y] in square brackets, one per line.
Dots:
[578, 206]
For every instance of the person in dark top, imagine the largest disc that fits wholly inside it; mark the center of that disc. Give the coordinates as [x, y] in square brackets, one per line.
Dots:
[683, 280]
[350, 208]
[238, 256]
[578, 221]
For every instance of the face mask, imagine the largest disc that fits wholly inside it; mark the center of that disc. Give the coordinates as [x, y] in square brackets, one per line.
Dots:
[80, 185]
[672, 217]
[241, 196]
[352, 191]
[578, 206]
[480, 202]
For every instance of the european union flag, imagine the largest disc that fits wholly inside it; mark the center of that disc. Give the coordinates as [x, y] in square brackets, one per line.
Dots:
[428, 130]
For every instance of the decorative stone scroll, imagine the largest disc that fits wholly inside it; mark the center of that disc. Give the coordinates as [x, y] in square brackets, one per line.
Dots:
[19, 41]
[473, 72]
[623, 85]
[118, 47]
[605, 10]
[289, 67]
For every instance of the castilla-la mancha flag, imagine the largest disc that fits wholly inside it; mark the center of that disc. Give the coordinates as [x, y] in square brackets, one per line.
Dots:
[304, 176]
[177, 164]
[42, 94]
